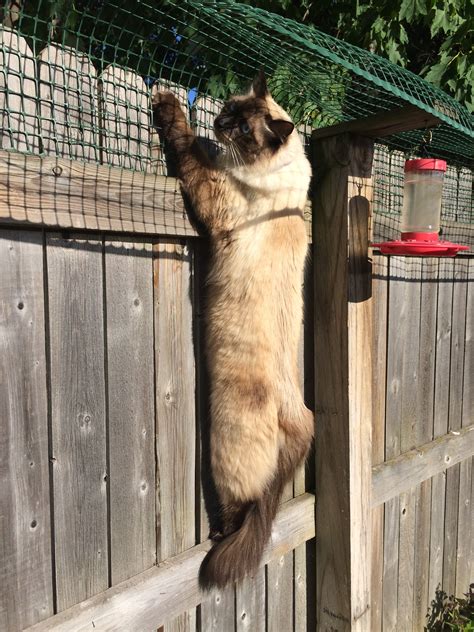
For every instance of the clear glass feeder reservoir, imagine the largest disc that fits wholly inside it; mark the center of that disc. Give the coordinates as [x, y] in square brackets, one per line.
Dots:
[421, 212]
[422, 198]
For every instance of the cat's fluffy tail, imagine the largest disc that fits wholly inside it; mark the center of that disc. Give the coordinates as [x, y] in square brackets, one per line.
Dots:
[240, 552]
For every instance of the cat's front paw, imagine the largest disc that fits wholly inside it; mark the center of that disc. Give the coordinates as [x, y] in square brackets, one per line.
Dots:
[168, 112]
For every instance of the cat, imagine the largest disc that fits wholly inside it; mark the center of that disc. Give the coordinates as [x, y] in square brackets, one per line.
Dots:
[251, 202]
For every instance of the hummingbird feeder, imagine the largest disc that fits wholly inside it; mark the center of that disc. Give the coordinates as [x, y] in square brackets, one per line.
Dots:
[421, 213]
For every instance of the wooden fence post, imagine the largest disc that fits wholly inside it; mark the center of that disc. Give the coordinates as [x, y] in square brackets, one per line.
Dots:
[343, 379]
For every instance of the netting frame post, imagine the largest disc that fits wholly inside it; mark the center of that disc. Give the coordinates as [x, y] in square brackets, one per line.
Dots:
[341, 200]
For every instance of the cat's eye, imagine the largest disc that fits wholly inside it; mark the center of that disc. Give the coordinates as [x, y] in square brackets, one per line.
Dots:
[244, 127]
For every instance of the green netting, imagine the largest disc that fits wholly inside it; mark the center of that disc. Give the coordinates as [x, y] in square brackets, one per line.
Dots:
[208, 48]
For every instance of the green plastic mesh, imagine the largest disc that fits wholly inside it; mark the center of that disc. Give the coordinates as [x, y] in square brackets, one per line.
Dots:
[114, 50]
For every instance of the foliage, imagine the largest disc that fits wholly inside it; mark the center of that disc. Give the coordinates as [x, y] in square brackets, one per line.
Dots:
[432, 38]
[451, 614]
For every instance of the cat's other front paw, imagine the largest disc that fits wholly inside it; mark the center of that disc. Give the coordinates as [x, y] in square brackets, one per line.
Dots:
[167, 111]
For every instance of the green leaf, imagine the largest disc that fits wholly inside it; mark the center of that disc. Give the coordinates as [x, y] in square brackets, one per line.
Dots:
[410, 8]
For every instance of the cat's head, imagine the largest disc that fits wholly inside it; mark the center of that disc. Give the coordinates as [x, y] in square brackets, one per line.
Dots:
[253, 126]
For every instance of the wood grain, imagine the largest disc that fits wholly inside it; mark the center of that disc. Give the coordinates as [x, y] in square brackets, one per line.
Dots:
[69, 194]
[440, 419]
[343, 337]
[250, 604]
[78, 450]
[456, 380]
[465, 557]
[19, 128]
[125, 119]
[395, 342]
[131, 411]
[391, 478]
[25, 532]
[387, 123]
[423, 434]
[68, 103]
[133, 605]
[175, 406]
[380, 296]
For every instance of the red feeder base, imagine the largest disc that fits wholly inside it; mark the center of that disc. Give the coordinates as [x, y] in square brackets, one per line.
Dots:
[420, 248]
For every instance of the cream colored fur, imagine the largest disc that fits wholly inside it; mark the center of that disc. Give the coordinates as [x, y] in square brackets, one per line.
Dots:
[255, 317]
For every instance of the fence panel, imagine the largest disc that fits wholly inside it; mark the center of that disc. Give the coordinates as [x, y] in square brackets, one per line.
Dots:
[126, 119]
[78, 415]
[25, 530]
[68, 103]
[131, 410]
[19, 129]
[175, 407]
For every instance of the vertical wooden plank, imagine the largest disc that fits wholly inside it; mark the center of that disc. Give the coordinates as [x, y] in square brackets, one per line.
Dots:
[175, 407]
[343, 339]
[280, 591]
[424, 434]
[395, 342]
[25, 531]
[130, 380]
[380, 295]
[300, 583]
[68, 103]
[464, 566]
[250, 604]
[125, 119]
[407, 321]
[19, 128]
[456, 379]
[75, 289]
[440, 419]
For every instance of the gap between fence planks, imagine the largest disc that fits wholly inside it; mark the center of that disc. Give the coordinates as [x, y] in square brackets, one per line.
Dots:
[411, 468]
[145, 602]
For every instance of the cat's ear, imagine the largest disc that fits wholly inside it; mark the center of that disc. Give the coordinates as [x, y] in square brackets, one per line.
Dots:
[281, 128]
[259, 85]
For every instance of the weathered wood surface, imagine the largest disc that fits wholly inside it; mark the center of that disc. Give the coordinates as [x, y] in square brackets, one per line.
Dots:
[175, 407]
[250, 603]
[391, 478]
[133, 605]
[465, 552]
[440, 419]
[68, 103]
[407, 322]
[423, 434]
[19, 128]
[343, 337]
[125, 119]
[380, 296]
[456, 381]
[131, 411]
[395, 342]
[78, 441]
[25, 532]
[391, 122]
[68, 194]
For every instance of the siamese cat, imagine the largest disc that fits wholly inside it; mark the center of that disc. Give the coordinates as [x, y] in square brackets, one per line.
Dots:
[251, 201]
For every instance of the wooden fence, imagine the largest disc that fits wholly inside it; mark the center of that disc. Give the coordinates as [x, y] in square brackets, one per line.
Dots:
[103, 392]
